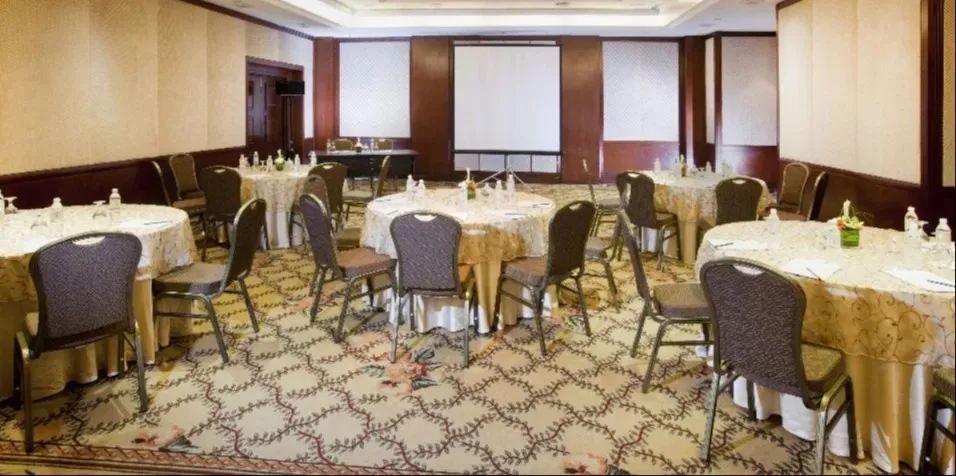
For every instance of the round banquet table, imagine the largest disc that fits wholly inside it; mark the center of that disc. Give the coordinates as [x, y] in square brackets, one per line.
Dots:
[490, 236]
[168, 243]
[893, 333]
[280, 191]
[691, 198]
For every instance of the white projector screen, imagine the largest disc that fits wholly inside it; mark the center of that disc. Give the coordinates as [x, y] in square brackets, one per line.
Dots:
[508, 98]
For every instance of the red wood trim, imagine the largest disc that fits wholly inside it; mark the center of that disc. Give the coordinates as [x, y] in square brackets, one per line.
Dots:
[882, 181]
[649, 39]
[681, 98]
[718, 100]
[249, 18]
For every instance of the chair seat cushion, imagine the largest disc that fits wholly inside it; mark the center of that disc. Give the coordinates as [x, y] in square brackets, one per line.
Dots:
[596, 248]
[530, 271]
[787, 216]
[786, 207]
[191, 205]
[610, 203]
[943, 381]
[193, 195]
[357, 196]
[685, 300]
[823, 366]
[361, 261]
[348, 237]
[197, 278]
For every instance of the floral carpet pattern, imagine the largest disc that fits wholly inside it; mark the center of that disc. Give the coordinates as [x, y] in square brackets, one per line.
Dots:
[293, 401]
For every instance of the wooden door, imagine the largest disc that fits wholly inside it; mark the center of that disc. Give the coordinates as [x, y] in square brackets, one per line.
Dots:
[263, 114]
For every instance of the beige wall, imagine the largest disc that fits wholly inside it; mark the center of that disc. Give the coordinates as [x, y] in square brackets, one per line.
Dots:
[949, 105]
[748, 101]
[90, 81]
[850, 85]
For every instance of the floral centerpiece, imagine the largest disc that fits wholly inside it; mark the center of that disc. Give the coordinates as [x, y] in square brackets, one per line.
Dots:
[279, 164]
[358, 145]
[849, 224]
[470, 185]
[682, 163]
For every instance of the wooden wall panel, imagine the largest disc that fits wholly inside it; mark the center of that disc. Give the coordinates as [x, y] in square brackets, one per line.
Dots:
[325, 90]
[694, 139]
[762, 162]
[582, 115]
[621, 156]
[431, 103]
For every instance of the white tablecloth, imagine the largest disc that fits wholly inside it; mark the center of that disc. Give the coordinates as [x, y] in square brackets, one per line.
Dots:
[491, 235]
[893, 333]
[168, 243]
[280, 190]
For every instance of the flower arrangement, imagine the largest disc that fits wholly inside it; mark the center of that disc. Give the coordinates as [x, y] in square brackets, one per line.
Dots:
[850, 223]
[279, 164]
[682, 162]
[472, 189]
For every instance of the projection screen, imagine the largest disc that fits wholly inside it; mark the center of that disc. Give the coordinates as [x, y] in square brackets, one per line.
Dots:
[507, 98]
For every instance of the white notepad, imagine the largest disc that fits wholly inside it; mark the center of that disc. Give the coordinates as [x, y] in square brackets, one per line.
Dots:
[749, 245]
[811, 268]
[923, 279]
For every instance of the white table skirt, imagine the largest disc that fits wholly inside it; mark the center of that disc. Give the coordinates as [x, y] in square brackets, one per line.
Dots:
[451, 313]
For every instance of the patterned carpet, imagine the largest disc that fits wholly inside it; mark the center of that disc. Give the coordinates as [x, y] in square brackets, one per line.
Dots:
[292, 401]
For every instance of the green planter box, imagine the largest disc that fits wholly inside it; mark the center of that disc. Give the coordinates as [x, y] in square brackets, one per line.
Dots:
[850, 238]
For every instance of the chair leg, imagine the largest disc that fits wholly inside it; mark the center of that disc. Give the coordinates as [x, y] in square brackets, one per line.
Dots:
[371, 297]
[217, 330]
[751, 402]
[205, 241]
[495, 316]
[538, 304]
[318, 296]
[612, 286]
[822, 415]
[851, 421]
[660, 249]
[338, 337]
[348, 209]
[467, 331]
[711, 416]
[650, 364]
[584, 306]
[140, 371]
[640, 331]
[27, 392]
[249, 308]
[929, 431]
[398, 322]
[121, 355]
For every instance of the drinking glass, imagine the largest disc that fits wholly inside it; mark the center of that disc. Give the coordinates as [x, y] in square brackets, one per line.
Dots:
[41, 225]
[11, 209]
[101, 218]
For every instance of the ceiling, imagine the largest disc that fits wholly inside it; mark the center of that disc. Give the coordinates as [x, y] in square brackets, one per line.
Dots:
[379, 18]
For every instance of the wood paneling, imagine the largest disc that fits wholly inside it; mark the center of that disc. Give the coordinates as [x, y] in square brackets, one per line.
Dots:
[430, 90]
[762, 162]
[884, 199]
[325, 89]
[621, 156]
[693, 95]
[582, 115]
[135, 179]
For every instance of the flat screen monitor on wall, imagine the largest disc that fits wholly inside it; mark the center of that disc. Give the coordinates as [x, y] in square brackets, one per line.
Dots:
[507, 98]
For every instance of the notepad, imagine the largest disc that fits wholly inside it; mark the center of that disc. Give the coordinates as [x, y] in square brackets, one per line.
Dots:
[811, 268]
[923, 279]
[143, 223]
[747, 245]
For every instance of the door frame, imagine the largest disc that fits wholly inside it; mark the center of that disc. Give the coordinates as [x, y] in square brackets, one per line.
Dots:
[291, 72]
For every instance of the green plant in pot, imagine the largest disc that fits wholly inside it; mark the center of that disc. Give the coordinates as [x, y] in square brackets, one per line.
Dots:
[850, 225]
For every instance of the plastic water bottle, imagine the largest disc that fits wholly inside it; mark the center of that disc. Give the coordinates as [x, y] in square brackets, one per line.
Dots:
[56, 216]
[255, 159]
[409, 184]
[498, 193]
[911, 220]
[773, 228]
[420, 192]
[511, 188]
[115, 198]
[943, 234]
[3, 209]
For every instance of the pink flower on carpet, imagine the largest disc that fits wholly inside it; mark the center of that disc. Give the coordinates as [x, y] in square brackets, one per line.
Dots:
[585, 464]
[409, 371]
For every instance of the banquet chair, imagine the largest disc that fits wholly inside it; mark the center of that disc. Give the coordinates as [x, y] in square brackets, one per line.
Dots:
[342, 144]
[816, 202]
[334, 175]
[184, 177]
[600, 250]
[194, 207]
[738, 200]
[314, 185]
[351, 266]
[567, 238]
[758, 338]
[944, 381]
[795, 178]
[637, 192]
[606, 208]
[666, 304]
[427, 247]
[361, 198]
[384, 144]
[205, 282]
[223, 187]
[84, 286]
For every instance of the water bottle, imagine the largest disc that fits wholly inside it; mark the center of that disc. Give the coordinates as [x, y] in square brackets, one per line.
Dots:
[498, 187]
[3, 209]
[328, 145]
[270, 164]
[943, 234]
[420, 192]
[297, 163]
[773, 228]
[255, 159]
[115, 198]
[242, 162]
[511, 188]
[409, 184]
[910, 221]
[56, 216]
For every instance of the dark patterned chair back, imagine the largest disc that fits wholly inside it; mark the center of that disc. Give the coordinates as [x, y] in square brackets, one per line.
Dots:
[84, 288]
[222, 187]
[184, 174]
[318, 223]
[334, 175]
[819, 191]
[342, 144]
[384, 144]
[568, 238]
[758, 316]
[639, 204]
[244, 239]
[315, 185]
[587, 173]
[382, 176]
[634, 250]
[795, 176]
[162, 182]
[427, 247]
[738, 199]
